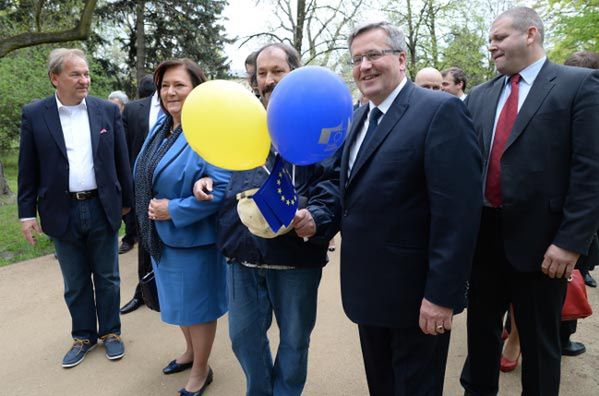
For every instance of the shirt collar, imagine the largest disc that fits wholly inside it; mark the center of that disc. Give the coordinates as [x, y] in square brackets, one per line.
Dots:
[386, 104]
[82, 105]
[155, 102]
[530, 72]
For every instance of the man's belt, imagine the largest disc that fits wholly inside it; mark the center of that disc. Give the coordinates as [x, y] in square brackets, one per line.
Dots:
[83, 195]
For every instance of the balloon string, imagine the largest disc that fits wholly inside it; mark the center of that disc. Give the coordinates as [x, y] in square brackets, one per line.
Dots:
[293, 175]
[266, 169]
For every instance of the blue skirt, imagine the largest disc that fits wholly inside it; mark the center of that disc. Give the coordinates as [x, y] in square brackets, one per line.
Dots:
[191, 285]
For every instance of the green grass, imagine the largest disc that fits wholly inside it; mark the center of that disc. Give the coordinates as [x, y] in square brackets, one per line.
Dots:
[13, 246]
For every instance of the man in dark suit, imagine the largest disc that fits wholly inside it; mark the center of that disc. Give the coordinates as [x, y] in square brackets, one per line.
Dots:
[136, 123]
[411, 195]
[537, 126]
[74, 171]
[138, 118]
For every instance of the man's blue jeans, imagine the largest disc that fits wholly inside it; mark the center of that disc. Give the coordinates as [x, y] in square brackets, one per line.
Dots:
[89, 249]
[254, 294]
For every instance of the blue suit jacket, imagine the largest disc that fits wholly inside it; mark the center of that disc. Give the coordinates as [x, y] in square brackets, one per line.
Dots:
[192, 223]
[411, 210]
[44, 166]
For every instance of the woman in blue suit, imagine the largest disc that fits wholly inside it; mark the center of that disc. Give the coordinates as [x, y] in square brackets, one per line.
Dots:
[179, 231]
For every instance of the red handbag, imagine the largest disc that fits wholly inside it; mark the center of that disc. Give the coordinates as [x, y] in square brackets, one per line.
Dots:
[576, 305]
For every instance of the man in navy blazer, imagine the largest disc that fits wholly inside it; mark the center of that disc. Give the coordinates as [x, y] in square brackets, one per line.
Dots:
[541, 205]
[411, 196]
[74, 171]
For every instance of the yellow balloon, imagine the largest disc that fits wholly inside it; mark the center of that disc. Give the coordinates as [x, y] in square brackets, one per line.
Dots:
[226, 125]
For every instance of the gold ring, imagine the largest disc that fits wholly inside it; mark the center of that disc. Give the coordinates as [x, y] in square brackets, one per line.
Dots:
[440, 327]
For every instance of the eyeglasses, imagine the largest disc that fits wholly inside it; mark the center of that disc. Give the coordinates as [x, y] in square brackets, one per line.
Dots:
[371, 56]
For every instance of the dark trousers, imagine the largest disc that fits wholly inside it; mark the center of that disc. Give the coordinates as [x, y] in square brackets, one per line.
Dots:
[130, 228]
[144, 267]
[403, 362]
[88, 259]
[537, 301]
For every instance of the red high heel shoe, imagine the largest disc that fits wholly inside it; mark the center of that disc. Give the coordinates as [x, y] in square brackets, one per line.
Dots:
[507, 365]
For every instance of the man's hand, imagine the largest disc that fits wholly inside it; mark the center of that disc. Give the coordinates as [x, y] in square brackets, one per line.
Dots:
[29, 228]
[434, 319]
[304, 224]
[158, 209]
[558, 262]
[124, 211]
[202, 189]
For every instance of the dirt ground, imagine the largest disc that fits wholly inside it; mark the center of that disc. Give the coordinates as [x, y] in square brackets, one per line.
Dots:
[35, 326]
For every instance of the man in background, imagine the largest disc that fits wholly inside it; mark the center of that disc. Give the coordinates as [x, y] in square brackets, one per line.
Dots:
[429, 78]
[454, 82]
[139, 117]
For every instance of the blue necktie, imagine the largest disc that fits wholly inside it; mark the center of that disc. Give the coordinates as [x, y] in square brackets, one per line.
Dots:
[373, 119]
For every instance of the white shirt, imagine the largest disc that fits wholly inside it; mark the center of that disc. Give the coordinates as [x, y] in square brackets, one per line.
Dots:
[463, 97]
[383, 107]
[77, 139]
[528, 76]
[154, 110]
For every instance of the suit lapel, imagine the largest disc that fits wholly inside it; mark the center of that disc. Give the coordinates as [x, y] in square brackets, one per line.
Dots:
[144, 115]
[53, 122]
[491, 98]
[392, 117]
[94, 124]
[356, 126]
[538, 92]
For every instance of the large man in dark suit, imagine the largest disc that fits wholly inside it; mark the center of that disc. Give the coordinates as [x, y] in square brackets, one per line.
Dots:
[136, 116]
[74, 172]
[537, 126]
[139, 117]
[411, 195]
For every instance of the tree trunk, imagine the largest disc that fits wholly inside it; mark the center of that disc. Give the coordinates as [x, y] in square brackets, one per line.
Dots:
[298, 35]
[4, 189]
[140, 39]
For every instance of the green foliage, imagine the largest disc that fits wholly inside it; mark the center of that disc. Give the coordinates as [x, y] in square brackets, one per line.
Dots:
[24, 78]
[173, 29]
[575, 27]
[466, 50]
[13, 247]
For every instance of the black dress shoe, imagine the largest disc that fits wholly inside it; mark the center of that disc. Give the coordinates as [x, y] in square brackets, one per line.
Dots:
[208, 381]
[125, 247]
[573, 348]
[589, 281]
[174, 367]
[132, 305]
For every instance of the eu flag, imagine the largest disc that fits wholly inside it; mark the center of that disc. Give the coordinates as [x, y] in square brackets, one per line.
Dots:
[277, 198]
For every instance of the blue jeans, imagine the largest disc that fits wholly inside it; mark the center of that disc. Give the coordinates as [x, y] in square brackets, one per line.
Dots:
[254, 294]
[89, 250]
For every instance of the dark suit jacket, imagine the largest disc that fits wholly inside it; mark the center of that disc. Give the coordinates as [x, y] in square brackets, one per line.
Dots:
[411, 210]
[136, 118]
[549, 183]
[44, 167]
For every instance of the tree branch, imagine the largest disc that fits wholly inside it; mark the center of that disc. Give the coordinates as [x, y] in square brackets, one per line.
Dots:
[29, 39]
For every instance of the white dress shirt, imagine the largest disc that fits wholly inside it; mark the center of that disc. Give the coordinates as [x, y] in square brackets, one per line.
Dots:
[383, 107]
[77, 139]
[155, 110]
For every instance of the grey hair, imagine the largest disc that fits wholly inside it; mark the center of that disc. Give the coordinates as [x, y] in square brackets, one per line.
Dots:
[58, 56]
[395, 37]
[523, 18]
[120, 96]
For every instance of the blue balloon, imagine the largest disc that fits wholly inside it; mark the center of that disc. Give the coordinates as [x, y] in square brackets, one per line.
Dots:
[309, 114]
